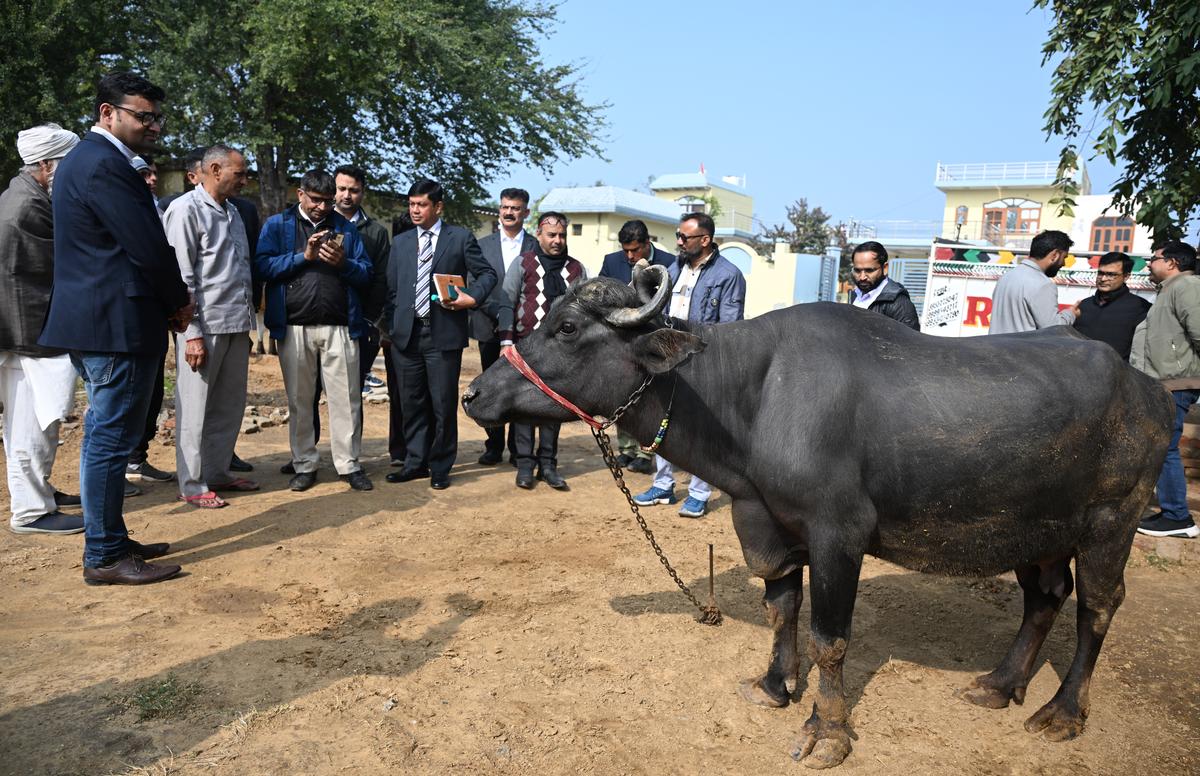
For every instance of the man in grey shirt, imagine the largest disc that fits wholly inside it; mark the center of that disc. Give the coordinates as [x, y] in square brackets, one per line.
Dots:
[1026, 298]
[213, 354]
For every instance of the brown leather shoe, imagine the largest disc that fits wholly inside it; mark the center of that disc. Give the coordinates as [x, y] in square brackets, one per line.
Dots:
[130, 570]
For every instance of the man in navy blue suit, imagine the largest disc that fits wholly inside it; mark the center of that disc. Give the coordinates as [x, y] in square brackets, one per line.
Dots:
[427, 337]
[636, 245]
[116, 288]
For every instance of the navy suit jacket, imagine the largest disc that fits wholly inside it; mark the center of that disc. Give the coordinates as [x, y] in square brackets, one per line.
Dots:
[617, 267]
[457, 253]
[116, 279]
[483, 318]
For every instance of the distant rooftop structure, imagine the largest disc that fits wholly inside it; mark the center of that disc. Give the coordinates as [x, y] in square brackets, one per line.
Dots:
[693, 180]
[1004, 175]
[609, 199]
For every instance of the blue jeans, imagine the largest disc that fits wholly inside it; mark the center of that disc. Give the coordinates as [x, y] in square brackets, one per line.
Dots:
[1172, 486]
[118, 389]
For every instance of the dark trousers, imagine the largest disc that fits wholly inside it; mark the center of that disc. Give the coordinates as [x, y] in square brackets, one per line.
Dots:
[547, 444]
[368, 349]
[489, 353]
[150, 428]
[429, 401]
[396, 447]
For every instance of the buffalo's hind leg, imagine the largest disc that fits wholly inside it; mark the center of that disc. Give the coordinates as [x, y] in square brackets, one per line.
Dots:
[1100, 589]
[1046, 587]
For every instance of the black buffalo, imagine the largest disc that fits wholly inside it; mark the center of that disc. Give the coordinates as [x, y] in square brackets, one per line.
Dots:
[838, 432]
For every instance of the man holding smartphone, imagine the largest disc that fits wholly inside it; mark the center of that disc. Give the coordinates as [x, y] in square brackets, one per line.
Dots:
[315, 267]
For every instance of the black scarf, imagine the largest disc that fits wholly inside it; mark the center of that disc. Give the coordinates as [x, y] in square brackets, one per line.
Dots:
[554, 285]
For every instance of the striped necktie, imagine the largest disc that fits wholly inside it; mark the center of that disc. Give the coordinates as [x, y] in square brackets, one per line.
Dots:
[424, 271]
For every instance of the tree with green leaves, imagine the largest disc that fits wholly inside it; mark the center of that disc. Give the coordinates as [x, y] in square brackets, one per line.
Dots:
[54, 54]
[452, 91]
[1128, 82]
[806, 231]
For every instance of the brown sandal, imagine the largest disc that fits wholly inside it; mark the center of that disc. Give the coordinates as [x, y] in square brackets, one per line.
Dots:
[206, 500]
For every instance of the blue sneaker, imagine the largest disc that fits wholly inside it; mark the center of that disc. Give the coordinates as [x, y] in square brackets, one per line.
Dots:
[372, 381]
[655, 496]
[693, 507]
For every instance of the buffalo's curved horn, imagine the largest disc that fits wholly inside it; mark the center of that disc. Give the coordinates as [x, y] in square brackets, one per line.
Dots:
[653, 287]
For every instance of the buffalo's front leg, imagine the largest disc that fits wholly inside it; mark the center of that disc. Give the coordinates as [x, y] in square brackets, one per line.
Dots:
[833, 585]
[767, 554]
[781, 601]
[1046, 588]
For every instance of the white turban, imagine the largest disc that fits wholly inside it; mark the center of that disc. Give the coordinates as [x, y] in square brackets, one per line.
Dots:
[49, 141]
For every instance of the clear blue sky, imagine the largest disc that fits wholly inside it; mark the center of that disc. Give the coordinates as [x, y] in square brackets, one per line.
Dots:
[848, 104]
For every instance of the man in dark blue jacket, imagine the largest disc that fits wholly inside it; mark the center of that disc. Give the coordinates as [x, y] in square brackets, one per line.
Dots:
[117, 287]
[636, 245]
[315, 267]
[706, 288]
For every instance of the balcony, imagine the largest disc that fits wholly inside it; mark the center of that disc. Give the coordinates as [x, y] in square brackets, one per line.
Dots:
[909, 233]
[996, 174]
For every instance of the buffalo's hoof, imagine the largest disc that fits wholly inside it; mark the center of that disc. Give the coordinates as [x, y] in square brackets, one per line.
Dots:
[981, 693]
[823, 746]
[755, 692]
[1056, 723]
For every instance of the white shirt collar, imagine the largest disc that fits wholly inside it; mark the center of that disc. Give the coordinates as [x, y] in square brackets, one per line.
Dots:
[519, 239]
[124, 149]
[304, 215]
[865, 300]
[436, 228]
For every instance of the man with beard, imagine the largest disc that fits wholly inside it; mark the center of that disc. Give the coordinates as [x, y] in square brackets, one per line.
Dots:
[531, 285]
[1113, 312]
[875, 291]
[706, 288]
[1026, 298]
[117, 287]
[501, 249]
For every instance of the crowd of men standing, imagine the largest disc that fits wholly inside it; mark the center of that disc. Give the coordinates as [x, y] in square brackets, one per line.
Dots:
[103, 272]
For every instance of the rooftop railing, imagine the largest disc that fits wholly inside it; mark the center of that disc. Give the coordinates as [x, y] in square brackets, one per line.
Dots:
[993, 171]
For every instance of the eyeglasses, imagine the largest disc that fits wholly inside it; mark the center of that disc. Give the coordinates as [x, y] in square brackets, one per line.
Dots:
[865, 271]
[317, 200]
[145, 118]
[680, 236]
[1102, 274]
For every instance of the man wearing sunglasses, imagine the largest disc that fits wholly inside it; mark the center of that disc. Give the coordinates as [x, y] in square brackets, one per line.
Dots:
[117, 287]
[1113, 312]
[1166, 346]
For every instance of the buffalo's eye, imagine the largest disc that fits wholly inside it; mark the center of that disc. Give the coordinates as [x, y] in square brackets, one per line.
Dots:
[567, 328]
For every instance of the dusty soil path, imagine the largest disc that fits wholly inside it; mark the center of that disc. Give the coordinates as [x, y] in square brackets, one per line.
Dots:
[484, 629]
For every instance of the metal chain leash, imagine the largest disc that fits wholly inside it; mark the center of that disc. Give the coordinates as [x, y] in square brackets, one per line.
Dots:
[710, 614]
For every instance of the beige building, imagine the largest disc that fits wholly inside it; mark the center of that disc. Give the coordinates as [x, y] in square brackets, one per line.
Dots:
[696, 192]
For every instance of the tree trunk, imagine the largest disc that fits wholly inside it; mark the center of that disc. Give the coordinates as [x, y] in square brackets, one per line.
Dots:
[272, 179]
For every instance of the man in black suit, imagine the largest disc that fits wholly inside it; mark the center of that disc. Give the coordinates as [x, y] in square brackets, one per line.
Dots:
[500, 249]
[635, 246]
[618, 265]
[428, 336]
[117, 287]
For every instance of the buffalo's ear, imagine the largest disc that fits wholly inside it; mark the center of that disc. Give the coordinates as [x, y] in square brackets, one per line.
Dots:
[664, 349]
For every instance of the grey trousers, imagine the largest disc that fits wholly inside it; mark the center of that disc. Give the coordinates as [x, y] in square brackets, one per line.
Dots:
[209, 404]
[329, 350]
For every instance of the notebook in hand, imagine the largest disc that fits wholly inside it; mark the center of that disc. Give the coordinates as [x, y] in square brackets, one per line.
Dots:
[443, 282]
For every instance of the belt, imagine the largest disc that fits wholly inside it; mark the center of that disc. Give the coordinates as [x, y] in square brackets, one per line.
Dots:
[421, 321]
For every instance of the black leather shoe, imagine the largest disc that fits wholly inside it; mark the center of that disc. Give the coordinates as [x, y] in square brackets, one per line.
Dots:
[624, 459]
[490, 459]
[130, 570]
[287, 468]
[148, 551]
[439, 481]
[358, 480]
[549, 475]
[66, 500]
[407, 475]
[238, 465]
[303, 481]
[525, 478]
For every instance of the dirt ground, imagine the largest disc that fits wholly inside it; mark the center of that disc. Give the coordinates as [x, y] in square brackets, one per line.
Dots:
[484, 629]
